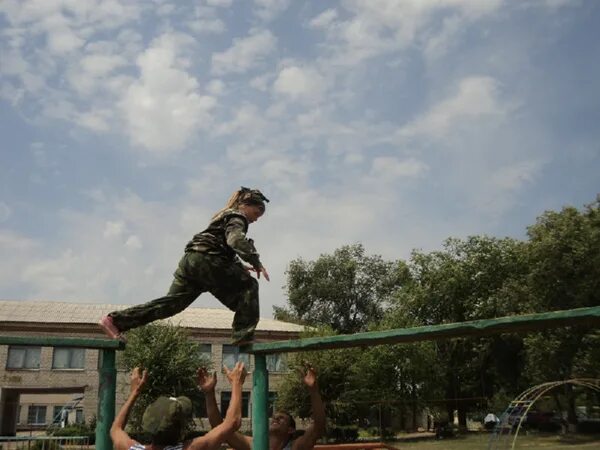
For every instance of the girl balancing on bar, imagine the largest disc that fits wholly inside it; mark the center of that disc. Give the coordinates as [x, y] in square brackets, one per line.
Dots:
[210, 263]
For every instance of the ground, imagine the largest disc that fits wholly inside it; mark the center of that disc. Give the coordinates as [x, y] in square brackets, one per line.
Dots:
[480, 442]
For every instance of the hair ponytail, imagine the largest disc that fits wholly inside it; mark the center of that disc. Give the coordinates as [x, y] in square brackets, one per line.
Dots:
[233, 201]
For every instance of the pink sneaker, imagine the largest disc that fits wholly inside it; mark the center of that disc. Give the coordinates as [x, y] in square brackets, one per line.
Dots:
[107, 325]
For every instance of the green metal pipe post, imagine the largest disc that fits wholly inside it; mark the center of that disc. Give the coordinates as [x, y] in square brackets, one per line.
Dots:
[106, 400]
[260, 404]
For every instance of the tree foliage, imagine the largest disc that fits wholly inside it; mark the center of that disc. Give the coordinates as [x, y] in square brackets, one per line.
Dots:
[480, 277]
[171, 359]
[345, 290]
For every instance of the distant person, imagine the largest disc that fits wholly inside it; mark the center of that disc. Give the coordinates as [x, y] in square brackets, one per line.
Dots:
[490, 421]
[211, 263]
[282, 427]
[165, 420]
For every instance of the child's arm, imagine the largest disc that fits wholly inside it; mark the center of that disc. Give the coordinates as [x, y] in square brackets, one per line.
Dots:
[233, 418]
[207, 383]
[121, 440]
[317, 428]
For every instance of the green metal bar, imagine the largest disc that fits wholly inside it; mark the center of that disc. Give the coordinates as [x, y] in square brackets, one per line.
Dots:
[106, 400]
[582, 317]
[53, 341]
[260, 404]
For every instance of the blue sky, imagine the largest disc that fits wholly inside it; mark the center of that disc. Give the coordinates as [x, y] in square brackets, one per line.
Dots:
[397, 124]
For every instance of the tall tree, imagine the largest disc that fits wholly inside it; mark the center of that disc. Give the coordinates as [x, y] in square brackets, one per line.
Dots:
[564, 261]
[467, 280]
[345, 290]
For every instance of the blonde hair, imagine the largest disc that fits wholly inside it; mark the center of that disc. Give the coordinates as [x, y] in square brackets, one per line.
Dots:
[243, 195]
[232, 203]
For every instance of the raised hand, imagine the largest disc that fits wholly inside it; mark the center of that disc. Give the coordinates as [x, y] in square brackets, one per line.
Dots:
[310, 378]
[237, 375]
[138, 379]
[206, 381]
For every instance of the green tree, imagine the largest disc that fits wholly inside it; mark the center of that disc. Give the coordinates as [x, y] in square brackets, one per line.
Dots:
[334, 369]
[345, 290]
[468, 280]
[564, 261]
[170, 357]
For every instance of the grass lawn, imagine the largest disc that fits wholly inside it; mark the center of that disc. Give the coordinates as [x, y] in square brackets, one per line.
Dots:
[480, 442]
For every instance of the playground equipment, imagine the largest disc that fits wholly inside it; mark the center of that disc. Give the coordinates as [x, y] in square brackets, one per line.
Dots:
[107, 379]
[260, 389]
[512, 419]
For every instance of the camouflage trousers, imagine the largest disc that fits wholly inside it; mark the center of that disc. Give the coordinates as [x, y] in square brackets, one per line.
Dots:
[199, 272]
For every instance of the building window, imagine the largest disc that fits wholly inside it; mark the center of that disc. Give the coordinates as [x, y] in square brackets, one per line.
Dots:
[22, 357]
[36, 415]
[79, 416]
[205, 351]
[277, 363]
[68, 358]
[226, 398]
[272, 400]
[18, 414]
[57, 415]
[232, 354]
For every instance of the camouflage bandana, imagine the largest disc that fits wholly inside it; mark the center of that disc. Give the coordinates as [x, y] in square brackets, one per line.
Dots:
[166, 418]
[252, 197]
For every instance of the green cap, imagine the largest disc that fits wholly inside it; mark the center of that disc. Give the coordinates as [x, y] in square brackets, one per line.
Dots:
[165, 419]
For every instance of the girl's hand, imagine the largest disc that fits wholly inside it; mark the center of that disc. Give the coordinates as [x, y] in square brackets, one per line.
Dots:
[264, 272]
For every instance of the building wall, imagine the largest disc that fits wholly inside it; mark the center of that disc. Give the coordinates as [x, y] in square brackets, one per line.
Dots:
[28, 381]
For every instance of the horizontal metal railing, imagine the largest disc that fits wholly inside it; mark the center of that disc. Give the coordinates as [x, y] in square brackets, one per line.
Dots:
[42, 442]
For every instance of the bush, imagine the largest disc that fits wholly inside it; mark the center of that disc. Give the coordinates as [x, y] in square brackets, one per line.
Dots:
[75, 430]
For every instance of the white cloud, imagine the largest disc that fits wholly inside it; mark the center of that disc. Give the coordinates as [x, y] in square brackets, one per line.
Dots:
[261, 82]
[247, 121]
[11, 241]
[269, 9]
[4, 212]
[207, 26]
[476, 97]
[55, 274]
[216, 87]
[133, 242]
[219, 3]
[379, 27]
[441, 40]
[97, 121]
[164, 107]
[300, 83]
[325, 19]
[113, 229]
[516, 175]
[245, 53]
[389, 167]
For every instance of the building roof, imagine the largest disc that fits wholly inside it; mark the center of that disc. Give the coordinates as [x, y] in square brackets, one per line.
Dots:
[89, 313]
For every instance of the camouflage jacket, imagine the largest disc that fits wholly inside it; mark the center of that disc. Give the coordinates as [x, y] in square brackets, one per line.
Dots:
[226, 236]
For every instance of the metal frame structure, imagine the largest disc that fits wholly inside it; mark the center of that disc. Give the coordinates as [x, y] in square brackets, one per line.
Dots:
[581, 317]
[107, 372]
[512, 419]
[589, 317]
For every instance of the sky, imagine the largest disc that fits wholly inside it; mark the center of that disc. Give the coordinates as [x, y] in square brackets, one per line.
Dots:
[397, 124]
